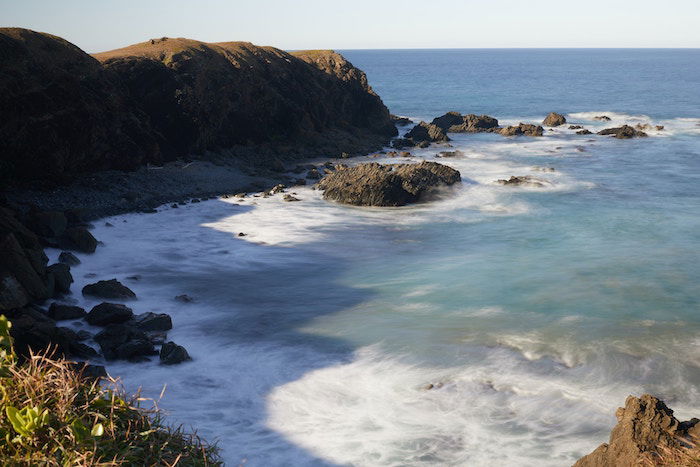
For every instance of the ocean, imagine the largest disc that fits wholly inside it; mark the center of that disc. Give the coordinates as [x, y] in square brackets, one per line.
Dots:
[496, 325]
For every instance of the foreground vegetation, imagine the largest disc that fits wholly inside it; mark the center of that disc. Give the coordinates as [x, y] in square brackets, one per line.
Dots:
[53, 416]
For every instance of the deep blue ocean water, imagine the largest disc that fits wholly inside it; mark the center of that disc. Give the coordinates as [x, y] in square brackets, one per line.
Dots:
[532, 312]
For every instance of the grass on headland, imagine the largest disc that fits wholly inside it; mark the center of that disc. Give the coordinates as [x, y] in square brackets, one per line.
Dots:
[52, 416]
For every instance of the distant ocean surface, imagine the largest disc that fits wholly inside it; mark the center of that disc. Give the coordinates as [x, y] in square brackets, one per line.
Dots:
[532, 312]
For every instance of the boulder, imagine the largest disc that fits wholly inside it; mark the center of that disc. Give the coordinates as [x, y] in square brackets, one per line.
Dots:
[401, 121]
[575, 127]
[375, 184]
[153, 322]
[290, 198]
[50, 224]
[453, 122]
[450, 154]
[61, 312]
[426, 132]
[171, 354]
[61, 276]
[68, 258]
[400, 143]
[80, 239]
[109, 313]
[602, 118]
[36, 332]
[120, 341]
[584, 132]
[646, 431]
[554, 119]
[623, 132]
[448, 120]
[525, 129]
[15, 261]
[12, 294]
[523, 180]
[109, 289]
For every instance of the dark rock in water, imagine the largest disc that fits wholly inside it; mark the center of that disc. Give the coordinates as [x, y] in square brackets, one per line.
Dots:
[109, 289]
[646, 432]
[314, 174]
[400, 143]
[451, 154]
[17, 262]
[374, 184]
[554, 119]
[290, 198]
[575, 127]
[153, 322]
[454, 122]
[109, 313]
[120, 341]
[426, 132]
[48, 224]
[659, 127]
[68, 258]
[523, 180]
[448, 120]
[401, 121]
[80, 239]
[171, 354]
[525, 129]
[623, 132]
[602, 118]
[584, 132]
[279, 188]
[184, 298]
[62, 277]
[83, 335]
[61, 312]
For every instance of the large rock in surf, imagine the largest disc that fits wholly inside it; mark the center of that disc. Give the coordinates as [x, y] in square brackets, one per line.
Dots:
[375, 184]
[526, 129]
[646, 432]
[623, 132]
[109, 289]
[109, 313]
[426, 133]
[554, 119]
[454, 122]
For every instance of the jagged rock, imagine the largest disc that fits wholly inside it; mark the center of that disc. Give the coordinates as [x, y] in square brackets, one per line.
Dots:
[584, 132]
[314, 174]
[32, 330]
[426, 132]
[48, 224]
[290, 198]
[645, 426]
[554, 119]
[171, 354]
[68, 258]
[623, 132]
[109, 289]
[575, 127]
[454, 122]
[525, 129]
[109, 313]
[374, 184]
[80, 239]
[153, 321]
[123, 342]
[61, 312]
[62, 277]
[523, 180]
[400, 143]
[602, 118]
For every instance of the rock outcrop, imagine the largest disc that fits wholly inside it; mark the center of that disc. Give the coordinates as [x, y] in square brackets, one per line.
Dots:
[426, 133]
[623, 132]
[375, 184]
[646, 432]
[66, 112]
[554, 119]
[526, 129]
[454, 122]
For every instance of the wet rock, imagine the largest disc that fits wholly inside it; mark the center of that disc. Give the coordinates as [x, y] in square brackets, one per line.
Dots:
[12, 294]
[400, 143]
[83, 335]
[426, 132]
[109, 289]
[602, 118]
[575, 127]
[554, 119]
[279, 188]
[48, 224]
[523, 180]
[525, 129]
[32, 330]
[584, 132]
[68, 258]
[184, 298]
[290, 198]
[17, 262]
[109, 313]
[374, 184]
[454, 122]
[451, 154]
[123, 342]
[623, 132]
[659, 127]
[61, 312]
[401, 121]
[61, 276]
[645, 431]
[153, 322]
[313, 174]
[80, 239]
[544, 169]
[171, 354]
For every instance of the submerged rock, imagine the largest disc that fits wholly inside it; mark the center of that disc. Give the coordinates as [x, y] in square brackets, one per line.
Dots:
[623, 132]
[153, 321]
[109, 289]
[526, 129]
[171, 354]
[602, 118]
[575, 127]
[523, 180]
[554, 119]
[109, 313]
[584, 132]
[646, 432]
[60, 312]
[375, 184]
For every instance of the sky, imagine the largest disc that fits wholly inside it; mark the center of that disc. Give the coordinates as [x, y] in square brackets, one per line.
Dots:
[99, 25]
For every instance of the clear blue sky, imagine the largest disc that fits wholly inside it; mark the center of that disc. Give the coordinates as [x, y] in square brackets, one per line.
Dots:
[98, 25]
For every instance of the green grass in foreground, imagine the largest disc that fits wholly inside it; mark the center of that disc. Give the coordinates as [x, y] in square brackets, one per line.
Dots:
[51, 416]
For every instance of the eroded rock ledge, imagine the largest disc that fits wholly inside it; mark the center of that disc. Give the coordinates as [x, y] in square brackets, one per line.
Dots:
[647, 433]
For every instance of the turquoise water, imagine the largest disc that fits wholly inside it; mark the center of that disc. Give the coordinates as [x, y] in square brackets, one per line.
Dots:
[533, 312]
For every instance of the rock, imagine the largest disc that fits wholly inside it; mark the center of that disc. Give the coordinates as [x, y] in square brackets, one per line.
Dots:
[448, 120]
[61, 312]
[184, 298]
[544, 169]
[623, 132]
[374, 184]
[171, 354]
[659, 127]
[290, 198]
[276, 189]
[401, 121]
[80, 239]
[83, 335]
[525, 129]
[109, 289]
[48, 224]
[123, 342]
[453, 122]
[584, 132]
[523, 180]
[62, 277]
[602, 118]
[314, 174]
[16, 261]
[575, 127]
[645, 431]
[153, 322]
[426, 132]
[32, 330]
[12, 294]
[554, 119]
[68, 258]
[450, 154]
[109, 313]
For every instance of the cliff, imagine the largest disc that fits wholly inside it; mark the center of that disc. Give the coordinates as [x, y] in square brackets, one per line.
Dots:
[66, 112]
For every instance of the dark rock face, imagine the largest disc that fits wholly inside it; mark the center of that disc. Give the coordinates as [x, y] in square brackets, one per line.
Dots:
[602, 118]
[623, 132]
[48, 224]
[645, 425]
[454, 122]
[554, 119]
[386, 185]
[68, 258]
[61, 312]
[426, 132]
[153, 322]
[61, 276]
[401, 121]
[80, 239]
[109, 289]
[575, 127]
[523, 180]
[171, 354]
[120, 341]
[109, 313]
[525, 129]
[584, 132]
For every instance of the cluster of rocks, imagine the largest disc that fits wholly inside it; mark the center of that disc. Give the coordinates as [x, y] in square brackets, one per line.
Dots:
[623, 132]
[524, 180]
[374, 184]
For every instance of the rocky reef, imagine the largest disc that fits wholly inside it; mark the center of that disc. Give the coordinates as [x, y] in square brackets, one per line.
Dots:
[67, 112]
[647, 433]
[375, 184]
